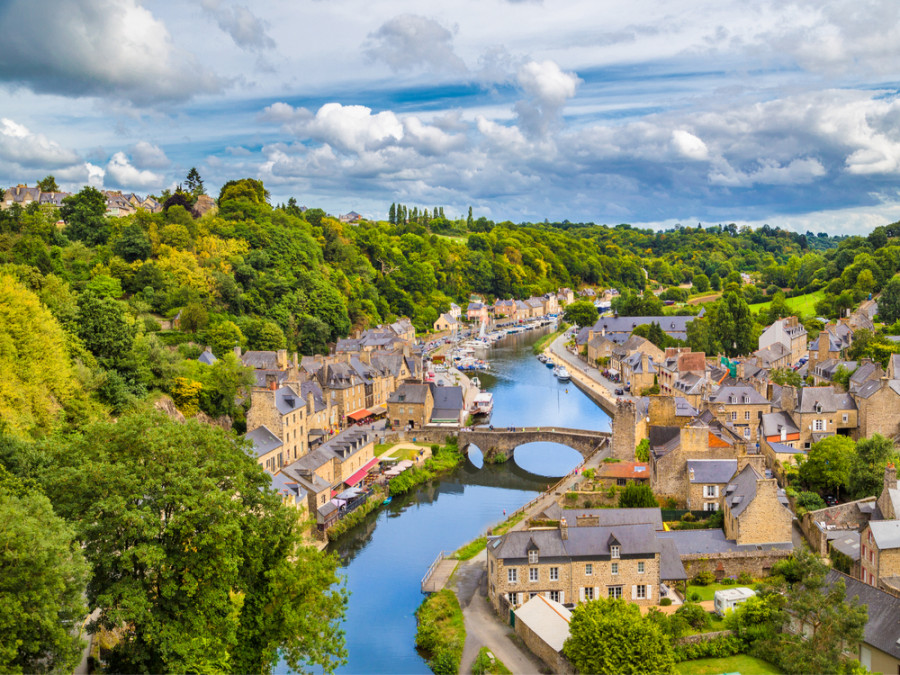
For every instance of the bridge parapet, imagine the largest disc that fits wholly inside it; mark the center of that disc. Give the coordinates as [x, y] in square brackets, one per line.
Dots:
[503, 442]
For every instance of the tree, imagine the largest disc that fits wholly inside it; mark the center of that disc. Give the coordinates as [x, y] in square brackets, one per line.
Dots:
[48, 184]
[194, 317]
[224, 337]
[611, 636]
[786, 376]
[133, 244]
[581, 313]
[312, 335]
[637, 497]
[193, 184]
[867, 471]
[85, 216]
[104, 328]
[827, 465]
[732, 325]
[264, 334]
[832, 627]
[889, 302]
[701, 283]
[191, 554]
[41, 585]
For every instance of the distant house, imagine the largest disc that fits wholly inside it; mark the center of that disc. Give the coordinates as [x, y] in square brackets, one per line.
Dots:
[352, 217]
[790, 334]
[477, 311]
[755, 511]
[446, 322]
[207, 357]
[455, 310]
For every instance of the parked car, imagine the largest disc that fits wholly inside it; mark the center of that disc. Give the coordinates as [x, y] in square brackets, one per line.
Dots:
[620, 392]
[831, 500]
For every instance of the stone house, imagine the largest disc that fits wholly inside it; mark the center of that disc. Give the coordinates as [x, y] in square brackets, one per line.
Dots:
[634, 344]
[404, 329]
[832, 343]
[791, 335]
[578, 564]
[284, 414]
[599, 347]
[623, 473]
[268, 448]
[755, 512]
[449, 407]
[549, 304]
[21, 195]
[675, 364]
[343, 386]
[291, 493]
[878, 407]
[455, 310]
[565, 296]
[410, 405]
[879, 551]
[505, 308]
[740, 407]
[879, 651]
[476, 311]
[543, 626]
[707, 480]
[819, 412]
[535, 307]
[779, 439]
[638, 372]
[776, 355]
[446, 323]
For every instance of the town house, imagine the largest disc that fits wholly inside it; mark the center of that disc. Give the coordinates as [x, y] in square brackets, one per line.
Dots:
[819, 412]
[755, 510]
[791, 335]
[741, 408]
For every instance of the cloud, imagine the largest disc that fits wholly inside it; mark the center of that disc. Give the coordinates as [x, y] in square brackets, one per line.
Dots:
[27, 149]
[148, 156]
[689, 145]
[123, 174]
[548, 88]
[353, 128]
[797, 172]
[246, 29]
[410, 41]
[108, 48]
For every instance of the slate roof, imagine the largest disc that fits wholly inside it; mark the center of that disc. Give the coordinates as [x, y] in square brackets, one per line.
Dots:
[287, 400]
[608, 517]
[711, 470]
[845, 541]
[409, 393]
[340, 447]
[260, 360]
[581, 337]
[664, 439]
[828, 398]
[741, 490]
[886, 533]
[547, 619]
[882, 629]
[207, 357]
[738, 395]
[706, 542]
[774, 422]
[450, 320]
[263, 440]
[286, 487]
[582, 542]
[785, 449]
[448, 402]
[689, 383]
[674, 326]
[769, 355]
[670, 566]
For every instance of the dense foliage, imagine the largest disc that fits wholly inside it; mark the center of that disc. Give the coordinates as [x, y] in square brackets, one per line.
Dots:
[441, 632]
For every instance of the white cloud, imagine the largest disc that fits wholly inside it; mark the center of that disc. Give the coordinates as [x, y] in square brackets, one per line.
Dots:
[21, 146]
[689, 145]
[112, 48]
[148, 156]
[797, 172]
[246, 29]
[353, 128]
[548, 88]
[123, 174]
[410, 41]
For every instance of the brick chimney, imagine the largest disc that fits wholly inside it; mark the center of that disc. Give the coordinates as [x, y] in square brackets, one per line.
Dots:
[563, 529]
[310, 404]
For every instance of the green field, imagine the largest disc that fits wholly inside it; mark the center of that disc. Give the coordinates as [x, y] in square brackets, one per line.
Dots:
[804, 305]
[706, 592]
[746, 665]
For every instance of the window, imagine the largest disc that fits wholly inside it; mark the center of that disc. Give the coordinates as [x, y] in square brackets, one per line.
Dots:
[554, 596]
[819, 425]
[710, 490]
[532, 594]
[554, 574]
[711, 506]
[532, 557]
[747, 432]
[614, 551]
[532, 574]
[746, 414]
[845, 417]
[640, 568]
[588, 592]
[588, 569]
[640, 592]
[512, 575]
[614, 568]
[733, 415]
[615, 592]
[621, 481]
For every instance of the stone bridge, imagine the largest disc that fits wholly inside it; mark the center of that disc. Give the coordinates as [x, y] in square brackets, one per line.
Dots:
[503, 442]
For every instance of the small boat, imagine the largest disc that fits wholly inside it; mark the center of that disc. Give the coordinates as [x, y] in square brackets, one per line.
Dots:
[483, 405]
[549, 363]
[476, 382]
[563, 375]
[387, 501]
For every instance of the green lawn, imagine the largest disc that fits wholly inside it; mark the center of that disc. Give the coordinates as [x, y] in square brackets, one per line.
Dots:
[804, 305]
[707, 592]
[746, 665]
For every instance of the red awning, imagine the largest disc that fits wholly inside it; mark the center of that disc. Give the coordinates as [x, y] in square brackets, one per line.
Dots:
[359, 415]
[358, 476]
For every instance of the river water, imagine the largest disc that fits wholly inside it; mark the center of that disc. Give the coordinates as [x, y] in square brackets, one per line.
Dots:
[385, 558]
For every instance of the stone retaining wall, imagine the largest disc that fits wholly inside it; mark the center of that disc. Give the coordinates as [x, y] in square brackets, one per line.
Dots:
[732, 563]
[701, 637]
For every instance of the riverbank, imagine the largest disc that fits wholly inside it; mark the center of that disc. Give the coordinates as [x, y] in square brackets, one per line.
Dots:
[596, 390]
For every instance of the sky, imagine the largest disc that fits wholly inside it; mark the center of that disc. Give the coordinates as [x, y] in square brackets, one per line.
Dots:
[650, 112]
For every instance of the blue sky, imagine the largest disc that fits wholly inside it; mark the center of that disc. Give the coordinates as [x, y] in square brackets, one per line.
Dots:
[649, 112]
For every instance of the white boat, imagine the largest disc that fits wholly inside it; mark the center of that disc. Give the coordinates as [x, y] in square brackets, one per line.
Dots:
[476, 382]
[563, 374]
[483, 404]
[555, 371]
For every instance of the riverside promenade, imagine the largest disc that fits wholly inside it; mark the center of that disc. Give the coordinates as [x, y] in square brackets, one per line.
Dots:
[585, 377]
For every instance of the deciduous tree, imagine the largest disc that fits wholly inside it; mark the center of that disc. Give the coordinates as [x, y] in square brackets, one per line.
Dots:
[581, 313]
[85, 217]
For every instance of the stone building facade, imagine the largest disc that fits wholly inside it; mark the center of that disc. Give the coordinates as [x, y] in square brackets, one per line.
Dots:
[755, 513]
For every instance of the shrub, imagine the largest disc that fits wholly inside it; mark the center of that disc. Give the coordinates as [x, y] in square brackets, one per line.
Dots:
[717, 648]
[744, 578]
[665, 602]
[695, 615]
[728, 581]
[689, 517]
[716, 520]
[694, 596]
[704, 578]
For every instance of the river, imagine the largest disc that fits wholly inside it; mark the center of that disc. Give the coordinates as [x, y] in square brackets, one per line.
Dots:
[385, 558]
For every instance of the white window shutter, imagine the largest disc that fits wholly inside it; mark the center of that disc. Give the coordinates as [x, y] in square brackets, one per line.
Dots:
[581, 594]
[562, 597]
[596, 592]
[649, 592]
[546, 594]
[634, 592]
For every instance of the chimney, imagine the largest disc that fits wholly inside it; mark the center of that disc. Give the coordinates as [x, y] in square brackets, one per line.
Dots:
[563, 529]
[237, 351]
[366, 357]
[691, 471]
[296, 360]
[281, 359]
[271, 382]
[890, 477]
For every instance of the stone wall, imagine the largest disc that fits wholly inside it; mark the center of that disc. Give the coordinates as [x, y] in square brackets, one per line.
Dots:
[841, 517]
[624, 436]
[733, 563]
[702, 637]
[764, 520]
[554, 660]
[500, 442]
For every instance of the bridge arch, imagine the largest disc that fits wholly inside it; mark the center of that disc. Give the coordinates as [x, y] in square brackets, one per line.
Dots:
[498, 443]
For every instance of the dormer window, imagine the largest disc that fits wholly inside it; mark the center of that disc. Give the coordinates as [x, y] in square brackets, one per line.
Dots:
[731, 399]
[532, 557]
[614, 551]
[818, 407]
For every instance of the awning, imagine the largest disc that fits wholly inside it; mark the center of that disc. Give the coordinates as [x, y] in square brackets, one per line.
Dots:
[358, 476]
[359, 415]
[379, 410]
